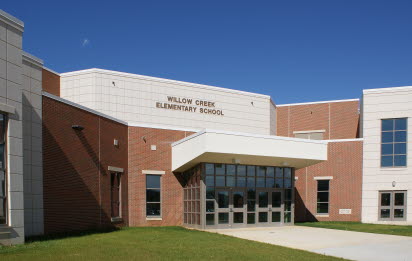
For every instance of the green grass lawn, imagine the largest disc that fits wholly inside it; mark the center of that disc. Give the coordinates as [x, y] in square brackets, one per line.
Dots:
[360, 227]
[153, 243]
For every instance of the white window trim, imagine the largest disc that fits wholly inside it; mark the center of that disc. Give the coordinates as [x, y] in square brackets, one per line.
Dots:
[308, 131]
[323, 178]
[153, 172]
[115, 169]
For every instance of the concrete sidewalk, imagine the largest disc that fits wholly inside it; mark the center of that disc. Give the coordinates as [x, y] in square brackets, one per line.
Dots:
[339, 243]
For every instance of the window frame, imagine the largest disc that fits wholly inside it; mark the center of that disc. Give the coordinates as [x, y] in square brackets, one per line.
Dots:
[4, 168]
[393, 144]
[154, 202]
[392, 206]
[322, 202]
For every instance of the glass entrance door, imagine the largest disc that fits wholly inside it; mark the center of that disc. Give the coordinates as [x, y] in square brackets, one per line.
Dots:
[223, 213]
[231, 207]
[238, 207]
[269, 207]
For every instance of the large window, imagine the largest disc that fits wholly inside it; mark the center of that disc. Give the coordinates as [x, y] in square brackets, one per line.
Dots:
[392, 205]
[323, 197]
[153, 199]
[3, 181]
[394, 140]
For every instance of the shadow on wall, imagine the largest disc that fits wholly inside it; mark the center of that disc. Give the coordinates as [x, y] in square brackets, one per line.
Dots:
[72, 184]
[302, 213]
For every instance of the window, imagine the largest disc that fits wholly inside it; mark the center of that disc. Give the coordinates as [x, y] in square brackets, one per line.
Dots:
[153, 207]
[392, 205]
[115, 194]
[393, 142]
[3, 181]
[323, 197]
[310, 135]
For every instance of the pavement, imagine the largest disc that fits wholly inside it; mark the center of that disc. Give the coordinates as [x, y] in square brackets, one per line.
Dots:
[339, 243]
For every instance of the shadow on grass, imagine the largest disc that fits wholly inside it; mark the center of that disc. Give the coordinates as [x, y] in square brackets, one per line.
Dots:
[70, 234]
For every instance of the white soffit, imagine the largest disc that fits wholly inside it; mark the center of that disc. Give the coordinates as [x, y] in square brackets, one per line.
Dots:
[243, 148]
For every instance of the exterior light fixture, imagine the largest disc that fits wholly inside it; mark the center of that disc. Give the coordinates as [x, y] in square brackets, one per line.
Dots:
[393, 183]
[285, 164]
[236, 161]
[77, 127]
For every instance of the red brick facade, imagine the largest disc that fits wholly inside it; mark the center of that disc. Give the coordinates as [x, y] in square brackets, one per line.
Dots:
[344, 164]
[142, 157]
[339, 120]
[75, 168]
[50, 82]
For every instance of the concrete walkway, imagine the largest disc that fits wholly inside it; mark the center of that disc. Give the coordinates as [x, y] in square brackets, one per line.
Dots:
[339, 243]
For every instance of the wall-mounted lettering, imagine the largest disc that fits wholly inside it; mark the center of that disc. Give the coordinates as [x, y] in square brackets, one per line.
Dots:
[189, 105]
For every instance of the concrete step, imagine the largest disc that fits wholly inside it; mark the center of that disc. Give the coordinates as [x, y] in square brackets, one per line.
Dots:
[5, 233]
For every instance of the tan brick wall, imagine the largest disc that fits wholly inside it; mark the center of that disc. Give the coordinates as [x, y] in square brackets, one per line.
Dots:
[141, 157]
[75, 168]
[344, 164]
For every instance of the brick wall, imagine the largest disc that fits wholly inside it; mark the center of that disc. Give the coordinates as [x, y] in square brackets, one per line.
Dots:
[75, 163]
[50, 82]
[340, 120]
[344, 164]
[141, 157]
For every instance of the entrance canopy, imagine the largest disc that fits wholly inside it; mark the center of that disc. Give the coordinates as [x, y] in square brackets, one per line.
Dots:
[243, 148]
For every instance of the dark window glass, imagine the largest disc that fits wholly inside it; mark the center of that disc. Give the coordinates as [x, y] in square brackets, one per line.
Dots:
[210, 181]
[398, 213]
[251, 170]
[220, 169]
[241, 170]
[220, 181]
[251, 194]
[230, 181]
[261, 171]
[400, 148]
[241, 182]
[251, 182]
[287, 183]
[323, 208]
[263, 216]
[385, 199]
[400, 160]
[238, 199]
[238, 217]
[210, 219]
[323, 185]
[270, 182]
[387, 137]
[387, 149]
[210, 169]
[210, 193]
[288, 194]
[223, 218]
[400, 124]
[323, 196]
[251, 218]
[287, 173]
[288, 205]
[230, 169]
[279, 172]
[263, 199]
[288, 217]
[276, 199]
[210, 206]
[270, 172]
[387, 125]
[153, 181]
[251, 205]
[279, 183]
[400, 136]
[385, 213]
[153, 209]
[387, 161]
[223, 199]
[276, 216]
[399, 199]
[153, 195]
[260, 182]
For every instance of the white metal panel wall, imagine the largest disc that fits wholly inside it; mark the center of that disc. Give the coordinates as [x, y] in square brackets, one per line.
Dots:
[133, 98]
[382, 104]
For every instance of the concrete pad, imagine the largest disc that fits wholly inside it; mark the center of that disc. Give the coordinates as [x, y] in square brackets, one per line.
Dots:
[339, 243]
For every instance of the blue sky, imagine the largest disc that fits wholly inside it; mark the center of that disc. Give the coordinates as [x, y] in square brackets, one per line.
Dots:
[295, 51]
